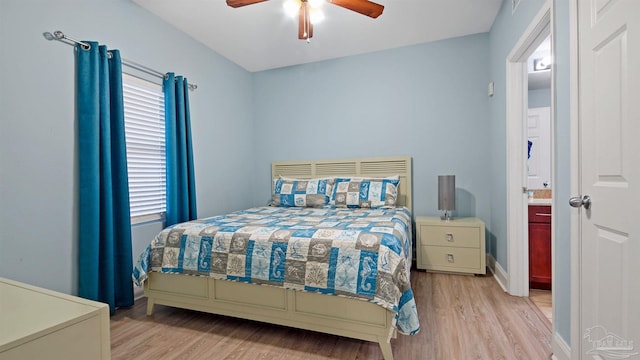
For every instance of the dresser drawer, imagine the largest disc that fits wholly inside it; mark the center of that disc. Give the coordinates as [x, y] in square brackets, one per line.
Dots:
[450, 236]
[450, 258]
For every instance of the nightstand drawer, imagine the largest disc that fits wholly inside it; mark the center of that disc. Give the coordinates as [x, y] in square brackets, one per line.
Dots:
[450, 236]
[442, 258]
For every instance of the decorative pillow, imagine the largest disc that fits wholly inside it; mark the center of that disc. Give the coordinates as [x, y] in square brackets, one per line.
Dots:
[302, 192]
[365, 193]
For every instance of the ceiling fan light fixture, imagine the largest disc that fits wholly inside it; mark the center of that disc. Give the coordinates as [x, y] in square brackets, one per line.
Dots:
[316, 16]
[291, 7]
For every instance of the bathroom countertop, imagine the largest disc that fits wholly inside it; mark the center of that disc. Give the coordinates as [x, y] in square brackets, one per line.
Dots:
[538, 201]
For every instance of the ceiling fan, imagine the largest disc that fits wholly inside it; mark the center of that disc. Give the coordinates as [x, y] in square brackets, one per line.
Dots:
[305, 26]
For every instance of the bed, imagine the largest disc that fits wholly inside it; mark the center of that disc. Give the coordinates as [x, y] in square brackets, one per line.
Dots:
[250, 269]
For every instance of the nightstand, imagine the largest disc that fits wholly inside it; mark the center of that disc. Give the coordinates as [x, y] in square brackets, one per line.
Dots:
[456, 245]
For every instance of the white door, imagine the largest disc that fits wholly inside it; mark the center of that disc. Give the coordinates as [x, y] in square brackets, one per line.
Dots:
[539, 137]
[609, 143]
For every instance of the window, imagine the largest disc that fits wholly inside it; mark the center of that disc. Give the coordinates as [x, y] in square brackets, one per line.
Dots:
[146, 159]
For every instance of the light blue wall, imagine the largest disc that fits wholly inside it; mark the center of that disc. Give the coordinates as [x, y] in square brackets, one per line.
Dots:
[504, 34]
[38, 211]
[428, 101]
[539, 98]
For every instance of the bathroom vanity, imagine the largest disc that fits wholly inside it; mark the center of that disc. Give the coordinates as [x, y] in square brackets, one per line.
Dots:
[540, 244]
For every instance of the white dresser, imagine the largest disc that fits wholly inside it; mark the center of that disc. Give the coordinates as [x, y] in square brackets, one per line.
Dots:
[36, 323]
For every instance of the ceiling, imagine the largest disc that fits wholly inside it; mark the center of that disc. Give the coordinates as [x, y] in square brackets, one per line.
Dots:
[261, 36]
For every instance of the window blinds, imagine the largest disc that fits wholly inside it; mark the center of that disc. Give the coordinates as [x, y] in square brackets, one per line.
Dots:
[145, 137]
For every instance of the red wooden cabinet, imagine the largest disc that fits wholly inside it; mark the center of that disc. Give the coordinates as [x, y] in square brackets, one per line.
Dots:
[540, 247]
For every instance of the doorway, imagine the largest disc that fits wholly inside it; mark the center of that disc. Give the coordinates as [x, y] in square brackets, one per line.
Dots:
[518, 191]
[538, 164]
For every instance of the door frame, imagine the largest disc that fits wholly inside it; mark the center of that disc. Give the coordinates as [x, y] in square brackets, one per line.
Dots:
[517, 106]
[575, 232]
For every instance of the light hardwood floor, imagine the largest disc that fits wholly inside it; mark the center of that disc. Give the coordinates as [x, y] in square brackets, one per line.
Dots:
[462, 317]
[542, 299]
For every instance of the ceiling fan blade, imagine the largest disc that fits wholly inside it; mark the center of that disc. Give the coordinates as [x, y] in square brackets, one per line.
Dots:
[363, 7]
[240, 3]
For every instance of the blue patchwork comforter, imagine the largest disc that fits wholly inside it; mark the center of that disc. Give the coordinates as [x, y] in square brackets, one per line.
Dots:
[361, 253]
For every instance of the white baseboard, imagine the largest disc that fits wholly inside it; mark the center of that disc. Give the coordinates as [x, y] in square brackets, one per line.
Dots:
[561, 351]
[498, 272]
[138, 292]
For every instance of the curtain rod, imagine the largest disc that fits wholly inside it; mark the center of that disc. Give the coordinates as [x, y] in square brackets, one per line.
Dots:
[60, 36]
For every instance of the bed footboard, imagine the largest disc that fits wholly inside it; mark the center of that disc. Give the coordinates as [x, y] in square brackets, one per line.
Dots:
[328, 314]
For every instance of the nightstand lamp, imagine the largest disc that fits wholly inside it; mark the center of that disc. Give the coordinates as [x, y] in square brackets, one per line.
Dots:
[446, 195]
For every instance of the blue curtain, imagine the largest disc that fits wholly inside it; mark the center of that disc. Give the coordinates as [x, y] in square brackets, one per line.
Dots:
[104, 244]
[181, 186]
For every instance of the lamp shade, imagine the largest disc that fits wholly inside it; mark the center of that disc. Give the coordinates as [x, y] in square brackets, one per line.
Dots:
[446, 192]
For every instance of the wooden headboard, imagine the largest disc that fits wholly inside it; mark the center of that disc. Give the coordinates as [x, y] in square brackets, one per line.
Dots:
[373, 167]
